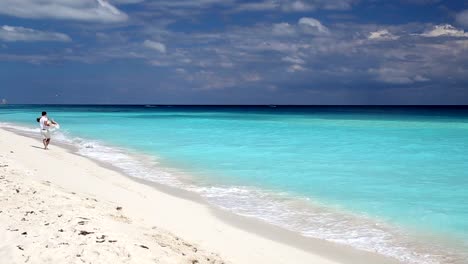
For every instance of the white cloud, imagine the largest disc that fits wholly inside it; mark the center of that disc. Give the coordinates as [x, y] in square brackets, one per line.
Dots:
[445, 31]
[226, 64]
[173, 5]
[261, 6]
[83, 10]
[382, 34]
[312, 25]
[419, 78]
[305, 25]
[397, 75]
[159, 63]
[462, 18]
[295, 68]
[155, 45]
[293, 60]
[283, 29]
[296, 5]
[274, 46]
[252, 77]
[210, 80]
[11, 34]
[124, 2]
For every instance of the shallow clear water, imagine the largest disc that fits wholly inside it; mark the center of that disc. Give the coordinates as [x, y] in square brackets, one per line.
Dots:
[364, 176]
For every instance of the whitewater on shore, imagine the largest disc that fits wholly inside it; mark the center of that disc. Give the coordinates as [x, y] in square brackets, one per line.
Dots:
[386, 180]
[81, 210]
[298, 214]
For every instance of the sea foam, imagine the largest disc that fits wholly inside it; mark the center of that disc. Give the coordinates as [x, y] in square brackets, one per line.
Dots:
[298, 214]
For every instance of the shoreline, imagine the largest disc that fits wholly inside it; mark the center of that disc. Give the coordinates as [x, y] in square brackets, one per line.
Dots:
[44, 223]
[288, 241]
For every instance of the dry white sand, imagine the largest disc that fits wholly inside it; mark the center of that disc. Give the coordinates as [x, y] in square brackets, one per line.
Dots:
[41, 223]
[58, 207]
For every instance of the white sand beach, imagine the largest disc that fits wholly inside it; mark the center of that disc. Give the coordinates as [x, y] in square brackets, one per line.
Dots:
[59, 207]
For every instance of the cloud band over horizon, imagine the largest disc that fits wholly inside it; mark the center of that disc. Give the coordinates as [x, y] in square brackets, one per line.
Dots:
[235, 51]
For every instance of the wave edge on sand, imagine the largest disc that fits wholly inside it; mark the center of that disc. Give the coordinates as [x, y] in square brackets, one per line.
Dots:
[42, 223]
[293, 213]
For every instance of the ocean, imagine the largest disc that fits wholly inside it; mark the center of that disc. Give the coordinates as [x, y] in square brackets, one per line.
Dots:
[391, 180]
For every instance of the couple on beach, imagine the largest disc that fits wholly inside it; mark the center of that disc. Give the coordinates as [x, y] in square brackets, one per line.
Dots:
[45, 124]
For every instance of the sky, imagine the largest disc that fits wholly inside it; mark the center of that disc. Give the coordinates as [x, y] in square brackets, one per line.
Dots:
[234, 52]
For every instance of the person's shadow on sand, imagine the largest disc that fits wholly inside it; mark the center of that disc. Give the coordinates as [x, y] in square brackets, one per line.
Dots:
[37, 147]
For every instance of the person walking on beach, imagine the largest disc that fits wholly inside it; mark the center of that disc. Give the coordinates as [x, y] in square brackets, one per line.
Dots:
[44, 123]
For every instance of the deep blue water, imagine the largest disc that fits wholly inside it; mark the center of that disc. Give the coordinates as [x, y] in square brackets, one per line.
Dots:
[401, 167]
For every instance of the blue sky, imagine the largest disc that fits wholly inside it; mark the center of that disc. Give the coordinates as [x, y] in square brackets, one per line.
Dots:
[234, 51]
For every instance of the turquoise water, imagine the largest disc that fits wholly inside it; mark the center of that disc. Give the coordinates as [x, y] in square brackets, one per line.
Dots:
[376, 173]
